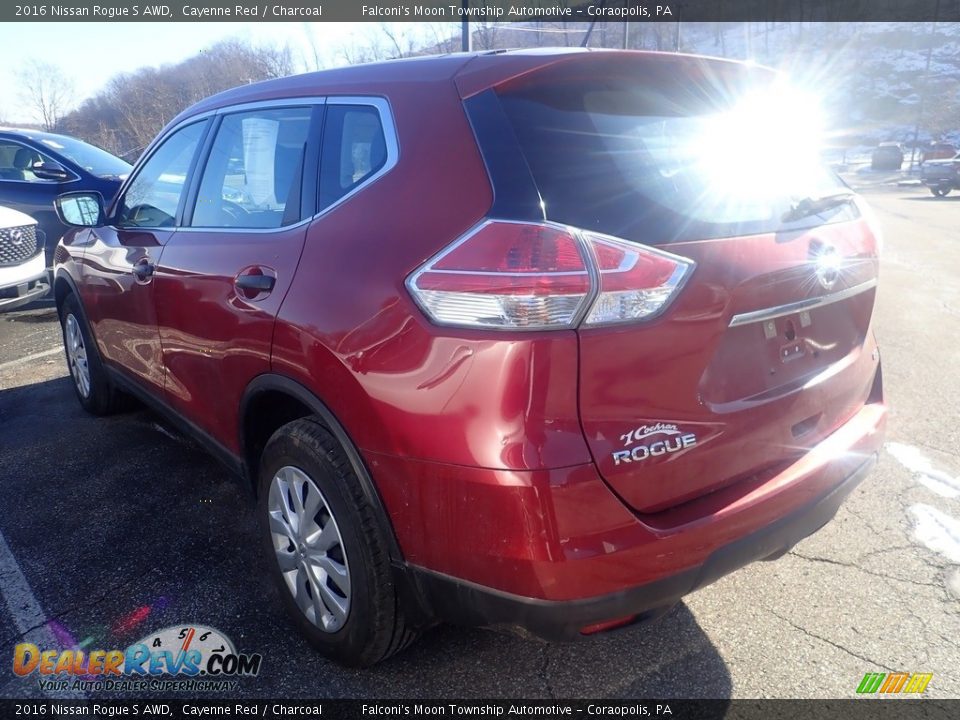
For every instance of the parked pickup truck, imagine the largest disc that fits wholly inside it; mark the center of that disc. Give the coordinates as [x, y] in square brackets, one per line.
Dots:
[941, 176]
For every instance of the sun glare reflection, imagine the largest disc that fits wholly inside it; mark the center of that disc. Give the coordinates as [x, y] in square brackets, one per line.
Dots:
[766, 147]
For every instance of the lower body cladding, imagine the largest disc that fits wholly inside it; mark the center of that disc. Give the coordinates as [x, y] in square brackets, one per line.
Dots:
[555, 553]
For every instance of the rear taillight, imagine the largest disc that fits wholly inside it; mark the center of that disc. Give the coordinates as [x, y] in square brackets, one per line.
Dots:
[636, 282]
[538, 276]
[506, 275]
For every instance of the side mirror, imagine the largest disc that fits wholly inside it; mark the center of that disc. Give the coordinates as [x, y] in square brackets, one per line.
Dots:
[80, 209]
[50, 170]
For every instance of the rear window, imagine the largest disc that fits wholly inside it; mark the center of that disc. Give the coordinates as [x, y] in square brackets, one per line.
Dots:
[91, 158]
[645, 159]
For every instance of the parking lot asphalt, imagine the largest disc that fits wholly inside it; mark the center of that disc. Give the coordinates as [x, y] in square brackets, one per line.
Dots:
[117, 527]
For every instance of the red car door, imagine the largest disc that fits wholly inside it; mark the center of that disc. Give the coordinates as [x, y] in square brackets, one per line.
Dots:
[222, 278]
[120, 259]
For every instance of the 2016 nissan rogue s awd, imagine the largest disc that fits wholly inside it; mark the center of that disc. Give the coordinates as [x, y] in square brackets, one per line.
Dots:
[542, 340]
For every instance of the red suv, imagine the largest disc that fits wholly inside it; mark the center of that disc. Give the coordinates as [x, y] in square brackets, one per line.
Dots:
[503, 339]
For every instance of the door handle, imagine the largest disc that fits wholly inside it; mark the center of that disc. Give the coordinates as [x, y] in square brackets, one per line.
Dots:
[256, 283]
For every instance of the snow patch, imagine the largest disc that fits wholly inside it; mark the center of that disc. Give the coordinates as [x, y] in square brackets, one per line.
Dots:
[915, 461]
[937, 531]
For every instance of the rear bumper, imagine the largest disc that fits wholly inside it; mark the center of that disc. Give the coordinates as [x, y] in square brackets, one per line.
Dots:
[467, 603]
[553, 552]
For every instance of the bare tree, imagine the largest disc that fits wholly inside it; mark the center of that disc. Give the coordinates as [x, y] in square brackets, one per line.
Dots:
[46, 91]
[484, 35]
[396, 50]
[312, 44]
[940, 117]
[356, 52]
[129, 112]
[438, 38]
[387, 42]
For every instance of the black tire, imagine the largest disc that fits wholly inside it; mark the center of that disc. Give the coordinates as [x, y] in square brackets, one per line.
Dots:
[375, 626]
[98, 397]
[940, 191]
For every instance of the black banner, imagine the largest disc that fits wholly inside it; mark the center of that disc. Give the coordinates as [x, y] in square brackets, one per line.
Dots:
[860, 709]
[583, 11]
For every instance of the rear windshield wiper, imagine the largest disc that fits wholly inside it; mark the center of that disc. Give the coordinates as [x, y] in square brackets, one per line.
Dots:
[815, 205]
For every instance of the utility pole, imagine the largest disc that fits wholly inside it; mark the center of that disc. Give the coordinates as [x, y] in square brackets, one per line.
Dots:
[466, 41]
[676, 43]
[626, 34]
[586, 38]
[923, 86]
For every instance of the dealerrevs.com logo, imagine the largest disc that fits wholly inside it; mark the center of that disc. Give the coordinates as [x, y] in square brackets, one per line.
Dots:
[190, 658]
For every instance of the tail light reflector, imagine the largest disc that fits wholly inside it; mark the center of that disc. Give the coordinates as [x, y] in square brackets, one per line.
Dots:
[608, 625]
[636, 282]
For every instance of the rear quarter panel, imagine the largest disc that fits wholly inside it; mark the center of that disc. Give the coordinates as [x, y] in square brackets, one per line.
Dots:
[349, 331]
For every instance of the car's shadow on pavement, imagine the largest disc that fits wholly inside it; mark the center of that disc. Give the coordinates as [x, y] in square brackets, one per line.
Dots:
[122, 527]
[35, 314]
[43, 303]
[669, 658]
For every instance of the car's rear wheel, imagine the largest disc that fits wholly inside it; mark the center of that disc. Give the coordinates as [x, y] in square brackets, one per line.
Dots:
[940, 191]
[90, 379]
[327, 553]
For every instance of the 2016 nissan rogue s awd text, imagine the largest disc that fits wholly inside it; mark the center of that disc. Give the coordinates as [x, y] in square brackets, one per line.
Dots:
[543, 340]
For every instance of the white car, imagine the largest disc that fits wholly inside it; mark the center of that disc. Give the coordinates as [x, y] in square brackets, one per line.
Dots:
[23, 267]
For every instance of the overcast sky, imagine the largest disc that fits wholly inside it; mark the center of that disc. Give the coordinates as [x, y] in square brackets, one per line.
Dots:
[91, 53]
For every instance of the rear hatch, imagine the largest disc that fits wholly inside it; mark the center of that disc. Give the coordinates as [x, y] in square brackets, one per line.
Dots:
[761, 353]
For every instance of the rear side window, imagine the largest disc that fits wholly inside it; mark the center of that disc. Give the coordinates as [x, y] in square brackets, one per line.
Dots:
[639, 157]
[17, 161]
[354, 149]
[253, 175]
[153, 197]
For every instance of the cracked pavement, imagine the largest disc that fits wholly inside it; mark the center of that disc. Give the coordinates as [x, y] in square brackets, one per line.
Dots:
[121, 529]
